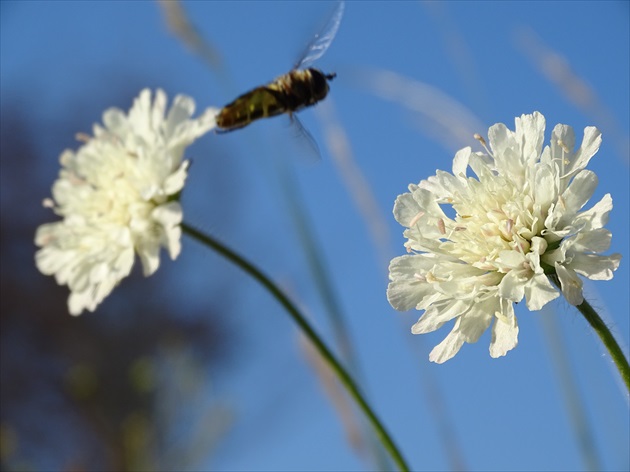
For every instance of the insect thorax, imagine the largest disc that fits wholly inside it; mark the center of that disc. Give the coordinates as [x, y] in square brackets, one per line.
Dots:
[302, 87]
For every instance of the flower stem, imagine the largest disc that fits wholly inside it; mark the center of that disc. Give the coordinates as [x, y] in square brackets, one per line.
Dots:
[310, 333]
[608, 339]
[605, 335]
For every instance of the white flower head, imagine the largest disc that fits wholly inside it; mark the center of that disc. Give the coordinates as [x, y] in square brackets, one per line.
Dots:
[510, 228]
[117, 194]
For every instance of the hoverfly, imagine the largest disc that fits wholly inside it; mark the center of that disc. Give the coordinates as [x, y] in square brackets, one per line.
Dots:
[302, 87]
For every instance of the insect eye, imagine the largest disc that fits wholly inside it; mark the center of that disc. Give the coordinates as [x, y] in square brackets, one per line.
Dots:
[319, 80]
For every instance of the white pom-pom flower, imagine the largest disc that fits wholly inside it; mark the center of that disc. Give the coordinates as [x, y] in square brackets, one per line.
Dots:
[510, 228]
[117, 195]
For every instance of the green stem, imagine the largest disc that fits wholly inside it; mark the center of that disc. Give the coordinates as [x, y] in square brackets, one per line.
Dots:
[605, 335]
[609, 341]
[310, 333]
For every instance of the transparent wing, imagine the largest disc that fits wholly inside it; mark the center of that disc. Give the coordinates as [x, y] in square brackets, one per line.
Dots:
[306, 140]
[320, 43]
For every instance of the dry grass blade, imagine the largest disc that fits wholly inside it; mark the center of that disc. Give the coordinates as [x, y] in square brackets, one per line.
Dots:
[557, 69]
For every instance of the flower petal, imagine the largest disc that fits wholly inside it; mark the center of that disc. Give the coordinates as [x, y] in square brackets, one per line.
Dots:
[539, 291]
[571, 285]
[595, 267]
[447, 348]
[504, 333]
[406, 290]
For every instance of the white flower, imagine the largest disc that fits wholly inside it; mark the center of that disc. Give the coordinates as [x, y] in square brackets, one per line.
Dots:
[118, 194]
[510, 228]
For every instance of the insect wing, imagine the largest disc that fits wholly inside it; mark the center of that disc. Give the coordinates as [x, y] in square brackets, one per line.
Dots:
[303, 136]
[320, 43]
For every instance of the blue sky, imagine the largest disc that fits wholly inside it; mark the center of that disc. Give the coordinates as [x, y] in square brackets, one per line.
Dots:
[62, 58]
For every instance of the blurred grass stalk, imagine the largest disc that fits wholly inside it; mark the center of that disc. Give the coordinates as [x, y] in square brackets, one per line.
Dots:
[178, 24]
[556, 69]
[315, 260]
[358, 187]
[439, 116]
[570, 391]
[354, 180]
[182, 28]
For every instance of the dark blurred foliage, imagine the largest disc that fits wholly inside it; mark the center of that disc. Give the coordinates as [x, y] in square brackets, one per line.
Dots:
[124, 388]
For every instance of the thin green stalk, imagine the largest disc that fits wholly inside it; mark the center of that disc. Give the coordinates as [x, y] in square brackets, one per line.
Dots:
[316, 263]
[608, 339]
[605, 335]
[310, 333]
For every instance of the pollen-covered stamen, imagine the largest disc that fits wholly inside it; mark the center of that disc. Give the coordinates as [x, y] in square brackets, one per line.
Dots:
[561, 201]
[564, 147]
[563, 161]
[479, 138]
[452, 231]
[75, 179]
[430, 278]
[509, 224]
[500, 314]
[82, 137]
[416, 218]
[441, 226]
[488, 232]
[523, 246]
[419, 277]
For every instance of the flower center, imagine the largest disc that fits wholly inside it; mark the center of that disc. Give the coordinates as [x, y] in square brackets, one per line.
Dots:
[497, 219]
